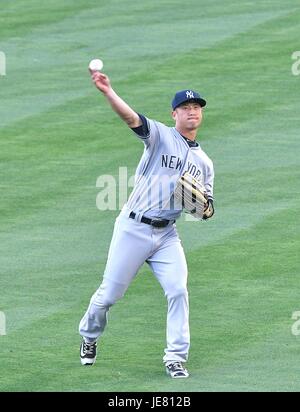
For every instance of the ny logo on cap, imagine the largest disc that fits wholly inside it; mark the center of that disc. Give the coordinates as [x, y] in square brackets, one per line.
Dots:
[189, 94]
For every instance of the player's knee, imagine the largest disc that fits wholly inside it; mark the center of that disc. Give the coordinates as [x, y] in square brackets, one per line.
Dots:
[108, 294]
[106, 300]
[177, 292]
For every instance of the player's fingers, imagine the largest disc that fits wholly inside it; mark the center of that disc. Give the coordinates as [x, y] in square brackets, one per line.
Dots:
[96, 77]
[94, 74]
[102, 76]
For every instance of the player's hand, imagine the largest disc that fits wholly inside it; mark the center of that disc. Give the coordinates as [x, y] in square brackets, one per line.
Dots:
[101, 81]
[209, 210]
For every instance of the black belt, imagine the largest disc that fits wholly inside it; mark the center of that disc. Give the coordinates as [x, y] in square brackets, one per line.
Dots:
[152, 222]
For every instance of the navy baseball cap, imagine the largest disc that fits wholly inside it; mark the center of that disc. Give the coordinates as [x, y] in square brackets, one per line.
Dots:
[185, 96]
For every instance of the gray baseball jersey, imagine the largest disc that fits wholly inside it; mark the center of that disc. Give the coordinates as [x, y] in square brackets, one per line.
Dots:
[166, 157]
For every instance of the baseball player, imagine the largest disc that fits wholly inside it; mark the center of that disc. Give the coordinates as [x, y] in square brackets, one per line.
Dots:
[145, 230]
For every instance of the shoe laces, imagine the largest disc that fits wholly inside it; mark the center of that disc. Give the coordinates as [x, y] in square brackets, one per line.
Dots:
[177, 366]
[89, 348]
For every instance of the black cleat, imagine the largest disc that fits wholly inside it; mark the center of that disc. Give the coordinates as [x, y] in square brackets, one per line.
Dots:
[176, 370]
[88, 353]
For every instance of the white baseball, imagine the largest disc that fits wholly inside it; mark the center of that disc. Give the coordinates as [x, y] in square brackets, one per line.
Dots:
[96, 64]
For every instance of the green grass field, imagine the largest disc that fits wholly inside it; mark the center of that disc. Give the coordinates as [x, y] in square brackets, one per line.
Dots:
[57, 135]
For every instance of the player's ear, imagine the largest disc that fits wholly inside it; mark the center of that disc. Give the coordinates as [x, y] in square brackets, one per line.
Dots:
[174, 114]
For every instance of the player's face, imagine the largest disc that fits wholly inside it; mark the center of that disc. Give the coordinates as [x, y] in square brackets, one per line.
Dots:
[188, 116]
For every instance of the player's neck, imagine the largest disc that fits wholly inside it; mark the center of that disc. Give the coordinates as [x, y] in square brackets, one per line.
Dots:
[188, 134]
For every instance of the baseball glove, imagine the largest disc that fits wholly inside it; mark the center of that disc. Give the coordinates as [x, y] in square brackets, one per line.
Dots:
[192, 196]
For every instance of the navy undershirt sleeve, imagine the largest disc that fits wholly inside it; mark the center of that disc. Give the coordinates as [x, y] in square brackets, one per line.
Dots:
[143, 130]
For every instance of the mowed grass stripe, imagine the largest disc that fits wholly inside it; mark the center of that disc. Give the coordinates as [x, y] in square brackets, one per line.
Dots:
[32, 16]
[44, 59]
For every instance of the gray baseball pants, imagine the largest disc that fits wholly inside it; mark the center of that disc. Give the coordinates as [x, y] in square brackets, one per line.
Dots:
[132, 244]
